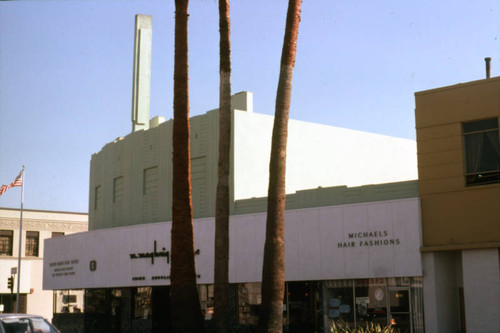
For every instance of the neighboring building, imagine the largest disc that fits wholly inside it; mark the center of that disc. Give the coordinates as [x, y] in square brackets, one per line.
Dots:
[38, 225]
[459, 184]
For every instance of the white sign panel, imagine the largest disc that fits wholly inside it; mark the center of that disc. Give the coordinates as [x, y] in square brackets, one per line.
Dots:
[128, 256]
[378, 239]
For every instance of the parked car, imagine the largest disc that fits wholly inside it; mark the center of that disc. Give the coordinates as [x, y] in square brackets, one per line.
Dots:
[25, 323]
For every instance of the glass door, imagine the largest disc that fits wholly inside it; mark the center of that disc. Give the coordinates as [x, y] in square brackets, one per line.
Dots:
[399, 315]
[371, 302]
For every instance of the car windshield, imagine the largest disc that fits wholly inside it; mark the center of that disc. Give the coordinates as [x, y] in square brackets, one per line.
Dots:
[16, 325]
[27, 325]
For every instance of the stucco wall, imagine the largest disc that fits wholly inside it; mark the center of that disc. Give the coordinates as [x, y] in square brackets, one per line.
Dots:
[454, 215]
[481, 270]
[442, 280]
[317, 155]
[366, 240]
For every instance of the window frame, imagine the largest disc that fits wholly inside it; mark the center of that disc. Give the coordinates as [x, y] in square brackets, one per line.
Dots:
[147, 190]
[482, 176]
[118, 181]
[97, 196]
[32, 249]
[9, 235]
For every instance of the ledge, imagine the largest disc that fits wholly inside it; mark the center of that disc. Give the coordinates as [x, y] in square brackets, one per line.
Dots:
[455, 247]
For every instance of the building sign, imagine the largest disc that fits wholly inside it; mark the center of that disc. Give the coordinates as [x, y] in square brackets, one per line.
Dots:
[154, 254]
[163, 253]
[63, 268]
[368, 238]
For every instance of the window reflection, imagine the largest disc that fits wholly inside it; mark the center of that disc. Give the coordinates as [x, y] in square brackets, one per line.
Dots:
[249, 300]
[387, 301]
[339, 301]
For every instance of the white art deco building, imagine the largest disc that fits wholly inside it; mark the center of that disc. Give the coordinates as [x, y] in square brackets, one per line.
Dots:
[352, 252]
[353, 227]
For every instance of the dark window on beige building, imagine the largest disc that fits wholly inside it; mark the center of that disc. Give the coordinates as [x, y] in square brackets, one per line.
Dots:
[118, 189]
[32, 240]
[6, 242]
[97, 196]
[57, 234]
[482, 152]
[150, 181]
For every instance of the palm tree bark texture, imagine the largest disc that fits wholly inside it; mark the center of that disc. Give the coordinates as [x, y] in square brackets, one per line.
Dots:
[273, 270]
[221, 260]
[185, 304]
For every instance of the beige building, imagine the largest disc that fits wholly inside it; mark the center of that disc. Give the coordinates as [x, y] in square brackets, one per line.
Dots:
[38, 225]
[459, 183]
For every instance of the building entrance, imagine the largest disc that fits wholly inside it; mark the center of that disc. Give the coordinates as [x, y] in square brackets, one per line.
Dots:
[400, 309]
[301, 299]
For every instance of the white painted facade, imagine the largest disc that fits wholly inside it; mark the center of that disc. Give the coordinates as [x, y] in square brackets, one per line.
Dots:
[366, 240]
[477, 274]
[481, 277]
[317, 155]
[442, 279]
[38, 300]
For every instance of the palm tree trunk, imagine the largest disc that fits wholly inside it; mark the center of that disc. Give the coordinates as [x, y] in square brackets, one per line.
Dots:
[273, 272]
[221, 260]
[185, 304]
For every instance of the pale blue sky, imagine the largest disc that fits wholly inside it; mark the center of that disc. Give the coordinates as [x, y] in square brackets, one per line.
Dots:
[66, 72]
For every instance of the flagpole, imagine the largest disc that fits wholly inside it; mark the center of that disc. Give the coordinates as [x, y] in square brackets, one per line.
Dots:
[20, 243]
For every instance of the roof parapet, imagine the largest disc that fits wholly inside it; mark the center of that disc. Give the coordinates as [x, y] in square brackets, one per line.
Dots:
[242, 101]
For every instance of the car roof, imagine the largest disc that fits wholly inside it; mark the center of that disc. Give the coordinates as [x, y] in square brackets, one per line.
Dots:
[18, 315]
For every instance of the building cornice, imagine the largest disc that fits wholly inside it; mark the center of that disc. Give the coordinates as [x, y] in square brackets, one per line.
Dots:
[458, 247]
[459, 85]
[41, 225]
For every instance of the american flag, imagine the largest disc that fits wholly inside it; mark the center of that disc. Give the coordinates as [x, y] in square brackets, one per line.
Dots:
[17, 182]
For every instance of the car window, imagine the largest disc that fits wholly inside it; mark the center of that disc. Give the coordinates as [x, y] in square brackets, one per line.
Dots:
[16, 325]
[40, 325]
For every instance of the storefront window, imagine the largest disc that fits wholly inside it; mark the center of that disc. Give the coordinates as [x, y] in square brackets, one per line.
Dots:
[249, 300]
[95, 300]
[206, 294]
[142, 303]
[68, 301]
[338, 301]
[392, 301]
[371, 301]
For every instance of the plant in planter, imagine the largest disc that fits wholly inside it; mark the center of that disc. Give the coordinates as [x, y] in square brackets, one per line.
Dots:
[343, 327]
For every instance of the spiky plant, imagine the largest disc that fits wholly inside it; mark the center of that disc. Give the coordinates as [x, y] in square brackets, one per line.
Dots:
[343, 327]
